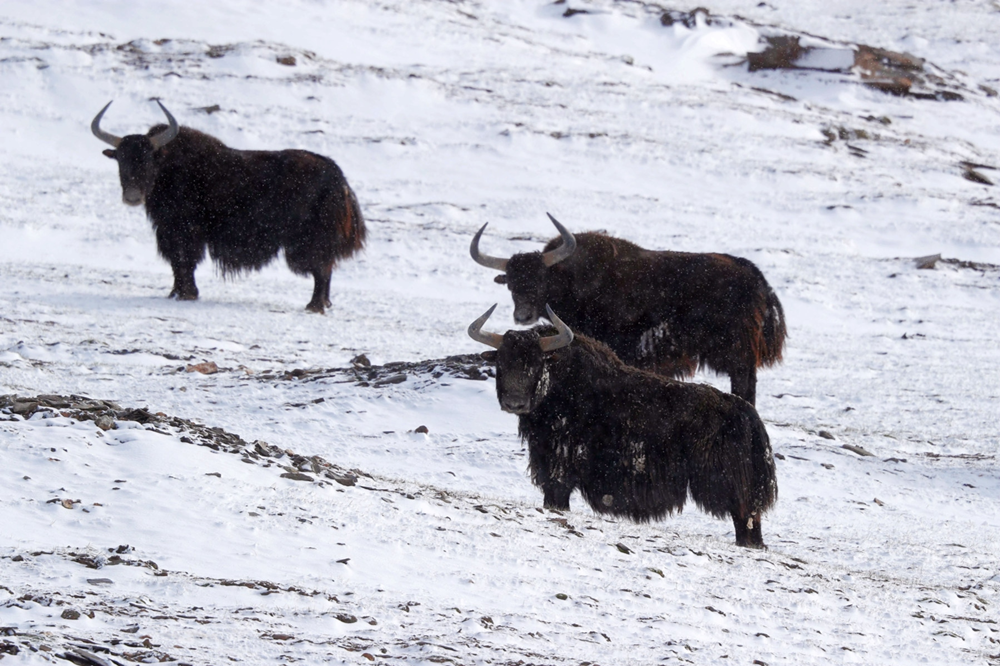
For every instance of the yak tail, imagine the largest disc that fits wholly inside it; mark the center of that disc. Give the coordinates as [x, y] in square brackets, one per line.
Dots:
[735, 472]
[773, 331]
[766, 330]
[351, 230]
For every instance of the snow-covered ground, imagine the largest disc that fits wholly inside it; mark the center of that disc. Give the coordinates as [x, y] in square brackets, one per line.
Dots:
[150, 542]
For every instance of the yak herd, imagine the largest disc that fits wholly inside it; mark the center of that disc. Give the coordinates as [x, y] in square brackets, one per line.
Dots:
[597, 391]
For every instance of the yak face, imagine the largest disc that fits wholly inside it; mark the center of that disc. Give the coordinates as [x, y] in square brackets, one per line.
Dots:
[522, 372]
[527, 277]
[136, 157]
[525, 274]
[522, 359]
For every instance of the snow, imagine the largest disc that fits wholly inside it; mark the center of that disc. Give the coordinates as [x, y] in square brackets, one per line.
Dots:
[445, 116]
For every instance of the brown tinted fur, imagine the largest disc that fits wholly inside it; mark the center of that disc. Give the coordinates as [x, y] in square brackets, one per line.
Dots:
[670, 312]
[634, 442]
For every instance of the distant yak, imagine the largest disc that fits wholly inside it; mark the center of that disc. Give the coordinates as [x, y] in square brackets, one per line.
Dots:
[669, 312]
[632, 441]
[243, 205]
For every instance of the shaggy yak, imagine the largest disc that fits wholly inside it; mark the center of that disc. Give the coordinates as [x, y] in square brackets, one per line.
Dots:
[634, 442]
[669, 312]
[243, 205]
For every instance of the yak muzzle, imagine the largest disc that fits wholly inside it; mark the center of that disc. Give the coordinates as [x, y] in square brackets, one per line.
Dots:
[516, 405]
[525, 316]
[133, 196]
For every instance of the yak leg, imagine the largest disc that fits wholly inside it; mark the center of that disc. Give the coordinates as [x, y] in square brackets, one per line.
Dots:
[321, 290]
[556, 495]
[184, 286]
[184, 248]
[743, 382]
[747, 526]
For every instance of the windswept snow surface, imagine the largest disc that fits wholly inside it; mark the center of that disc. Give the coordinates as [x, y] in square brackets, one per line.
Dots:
[444, 116]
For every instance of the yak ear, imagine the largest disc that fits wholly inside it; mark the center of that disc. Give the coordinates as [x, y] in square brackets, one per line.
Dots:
[109, 153]
[501, 279]
[490, 356]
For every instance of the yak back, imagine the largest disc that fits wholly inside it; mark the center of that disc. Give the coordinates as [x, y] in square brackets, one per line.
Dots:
[712, 309]
[247, 204]
[634, 442]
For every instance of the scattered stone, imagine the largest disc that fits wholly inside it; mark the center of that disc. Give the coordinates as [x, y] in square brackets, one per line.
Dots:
[297, 476]
[782, 52]
[562, 597]
[361, 361]
[288, 61]
[928, 262]
[105, 422]
[623, 548]
[392, 379]
[422, 429]
[209, 109]
[857, 449]
[206, 368]
[70, 614]
[825, 434]
[347, 618]
[975, 177]
[100, 581]
[24, 408]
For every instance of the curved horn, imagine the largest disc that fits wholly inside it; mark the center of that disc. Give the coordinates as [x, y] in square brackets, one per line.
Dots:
[482, 259]
[167, 135]
[95, 127]
[553, 342]
[553, 257]
[492, 339]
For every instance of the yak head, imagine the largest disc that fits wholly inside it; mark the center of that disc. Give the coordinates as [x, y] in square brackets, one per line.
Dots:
[523, 378]
[526, 274]
[136, 156]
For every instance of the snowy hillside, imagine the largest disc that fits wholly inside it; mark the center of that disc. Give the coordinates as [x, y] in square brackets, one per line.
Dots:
[223, 481]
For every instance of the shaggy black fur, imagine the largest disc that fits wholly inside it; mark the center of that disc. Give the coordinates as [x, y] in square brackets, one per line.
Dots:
[634, 442]
[244, 206]
[669, 312]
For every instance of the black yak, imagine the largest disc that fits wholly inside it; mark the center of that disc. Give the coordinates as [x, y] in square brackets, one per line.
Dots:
[633, 442]
[669, 312]
[243, 205]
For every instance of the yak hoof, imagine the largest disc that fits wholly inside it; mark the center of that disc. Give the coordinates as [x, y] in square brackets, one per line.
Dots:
[317, 308]
[183, 296]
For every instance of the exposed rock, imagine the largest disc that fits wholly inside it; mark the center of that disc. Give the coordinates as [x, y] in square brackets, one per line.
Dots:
[891, 72]
[206, 368]
[297, 476]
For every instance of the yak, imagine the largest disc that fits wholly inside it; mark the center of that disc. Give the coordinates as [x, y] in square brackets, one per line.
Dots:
[632, 441]
[244, 206]
[669, 312]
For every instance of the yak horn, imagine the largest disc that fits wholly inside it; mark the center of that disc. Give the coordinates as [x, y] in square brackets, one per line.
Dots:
[95, 127]
[553, 342]
[553, 257]
[167, 135]
[475, 331]
[482, 259]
